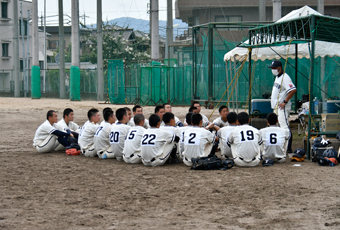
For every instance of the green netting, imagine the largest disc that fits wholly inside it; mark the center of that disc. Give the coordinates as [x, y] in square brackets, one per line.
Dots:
[116, 81]
[176, 81]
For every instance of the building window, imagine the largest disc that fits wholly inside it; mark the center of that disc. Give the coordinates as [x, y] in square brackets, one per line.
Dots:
[4, 11]
[25, 27]
[5, 49]
[41, 64]
[53, 45]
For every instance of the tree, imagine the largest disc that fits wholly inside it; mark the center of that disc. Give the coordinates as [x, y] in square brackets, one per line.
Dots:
[115, 46]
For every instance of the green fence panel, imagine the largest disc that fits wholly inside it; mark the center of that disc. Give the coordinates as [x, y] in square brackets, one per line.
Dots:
[74, 83]
[35, 82]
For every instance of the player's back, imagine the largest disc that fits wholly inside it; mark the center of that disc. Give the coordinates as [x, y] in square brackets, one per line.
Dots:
[101, 137]
[181, 131]
[275, 140]
[154, 142]
[245, 142]
[117, 138]
[197, 142]
[133, 141]
[223, 135]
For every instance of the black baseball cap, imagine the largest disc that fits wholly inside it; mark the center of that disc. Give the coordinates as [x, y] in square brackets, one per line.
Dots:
[299, 153]
[267, 162]
[275, 64]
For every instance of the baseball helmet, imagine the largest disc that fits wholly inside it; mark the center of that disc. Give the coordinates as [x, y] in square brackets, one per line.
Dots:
[330, 153]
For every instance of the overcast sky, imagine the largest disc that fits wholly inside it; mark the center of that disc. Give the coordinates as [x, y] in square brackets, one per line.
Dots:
[111, 9]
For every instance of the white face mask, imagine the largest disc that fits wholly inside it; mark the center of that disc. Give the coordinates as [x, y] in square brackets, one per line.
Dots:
[275, 72]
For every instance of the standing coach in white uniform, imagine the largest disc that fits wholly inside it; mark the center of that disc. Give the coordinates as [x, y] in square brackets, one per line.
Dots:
[283, 90]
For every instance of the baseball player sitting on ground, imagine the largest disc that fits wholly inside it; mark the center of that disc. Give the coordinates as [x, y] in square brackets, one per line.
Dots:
[118, 134]
[275, 140]
[132, 146]
[104, 110]
[66, 123]
[198, 142]
[245, 142]
[181, 133]
[87, 131]
[167, 109]
[102, 136]
[129, 114]
[137, 109]
[48, 137]
[224, 133]
[170, 126]
[157, 144]
[159, 110]
[222, 120]
[193, 109]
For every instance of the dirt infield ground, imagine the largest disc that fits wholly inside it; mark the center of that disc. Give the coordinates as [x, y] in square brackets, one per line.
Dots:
[55, 191]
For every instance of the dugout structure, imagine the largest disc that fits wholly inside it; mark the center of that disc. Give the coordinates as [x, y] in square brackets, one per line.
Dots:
[308, 29]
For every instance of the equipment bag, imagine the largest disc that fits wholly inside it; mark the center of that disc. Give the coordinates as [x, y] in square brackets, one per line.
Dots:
[211, 163]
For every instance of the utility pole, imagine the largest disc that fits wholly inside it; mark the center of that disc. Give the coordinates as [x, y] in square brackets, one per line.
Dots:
[62, 90]
[321, 6]
[23, 47]
[276, 10]
[100, 76]
[262, 10]
[75, 33]
[169, 30]
[75, 71]
[16, 60]
[35, 70]
[154, 30]
[28, 52]
[45, 48]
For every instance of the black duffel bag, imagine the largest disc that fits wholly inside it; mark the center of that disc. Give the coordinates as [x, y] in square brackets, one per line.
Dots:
[211, 163]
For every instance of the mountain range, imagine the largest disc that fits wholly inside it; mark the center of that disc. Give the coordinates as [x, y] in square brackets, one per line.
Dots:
[143, 25]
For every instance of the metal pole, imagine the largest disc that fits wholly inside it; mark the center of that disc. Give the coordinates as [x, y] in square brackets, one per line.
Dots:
[100, 76]
[262, 10]
[75, 33]
[45, 48]
[296, 75]
[23, 48]
[193, 82]
[154, 30]
[169, 28]
[16, 59]
[28, 47]
[210, 61]
[62, 90]
[250, 79]
[236, 91]
[227, 80]
[312, 29]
